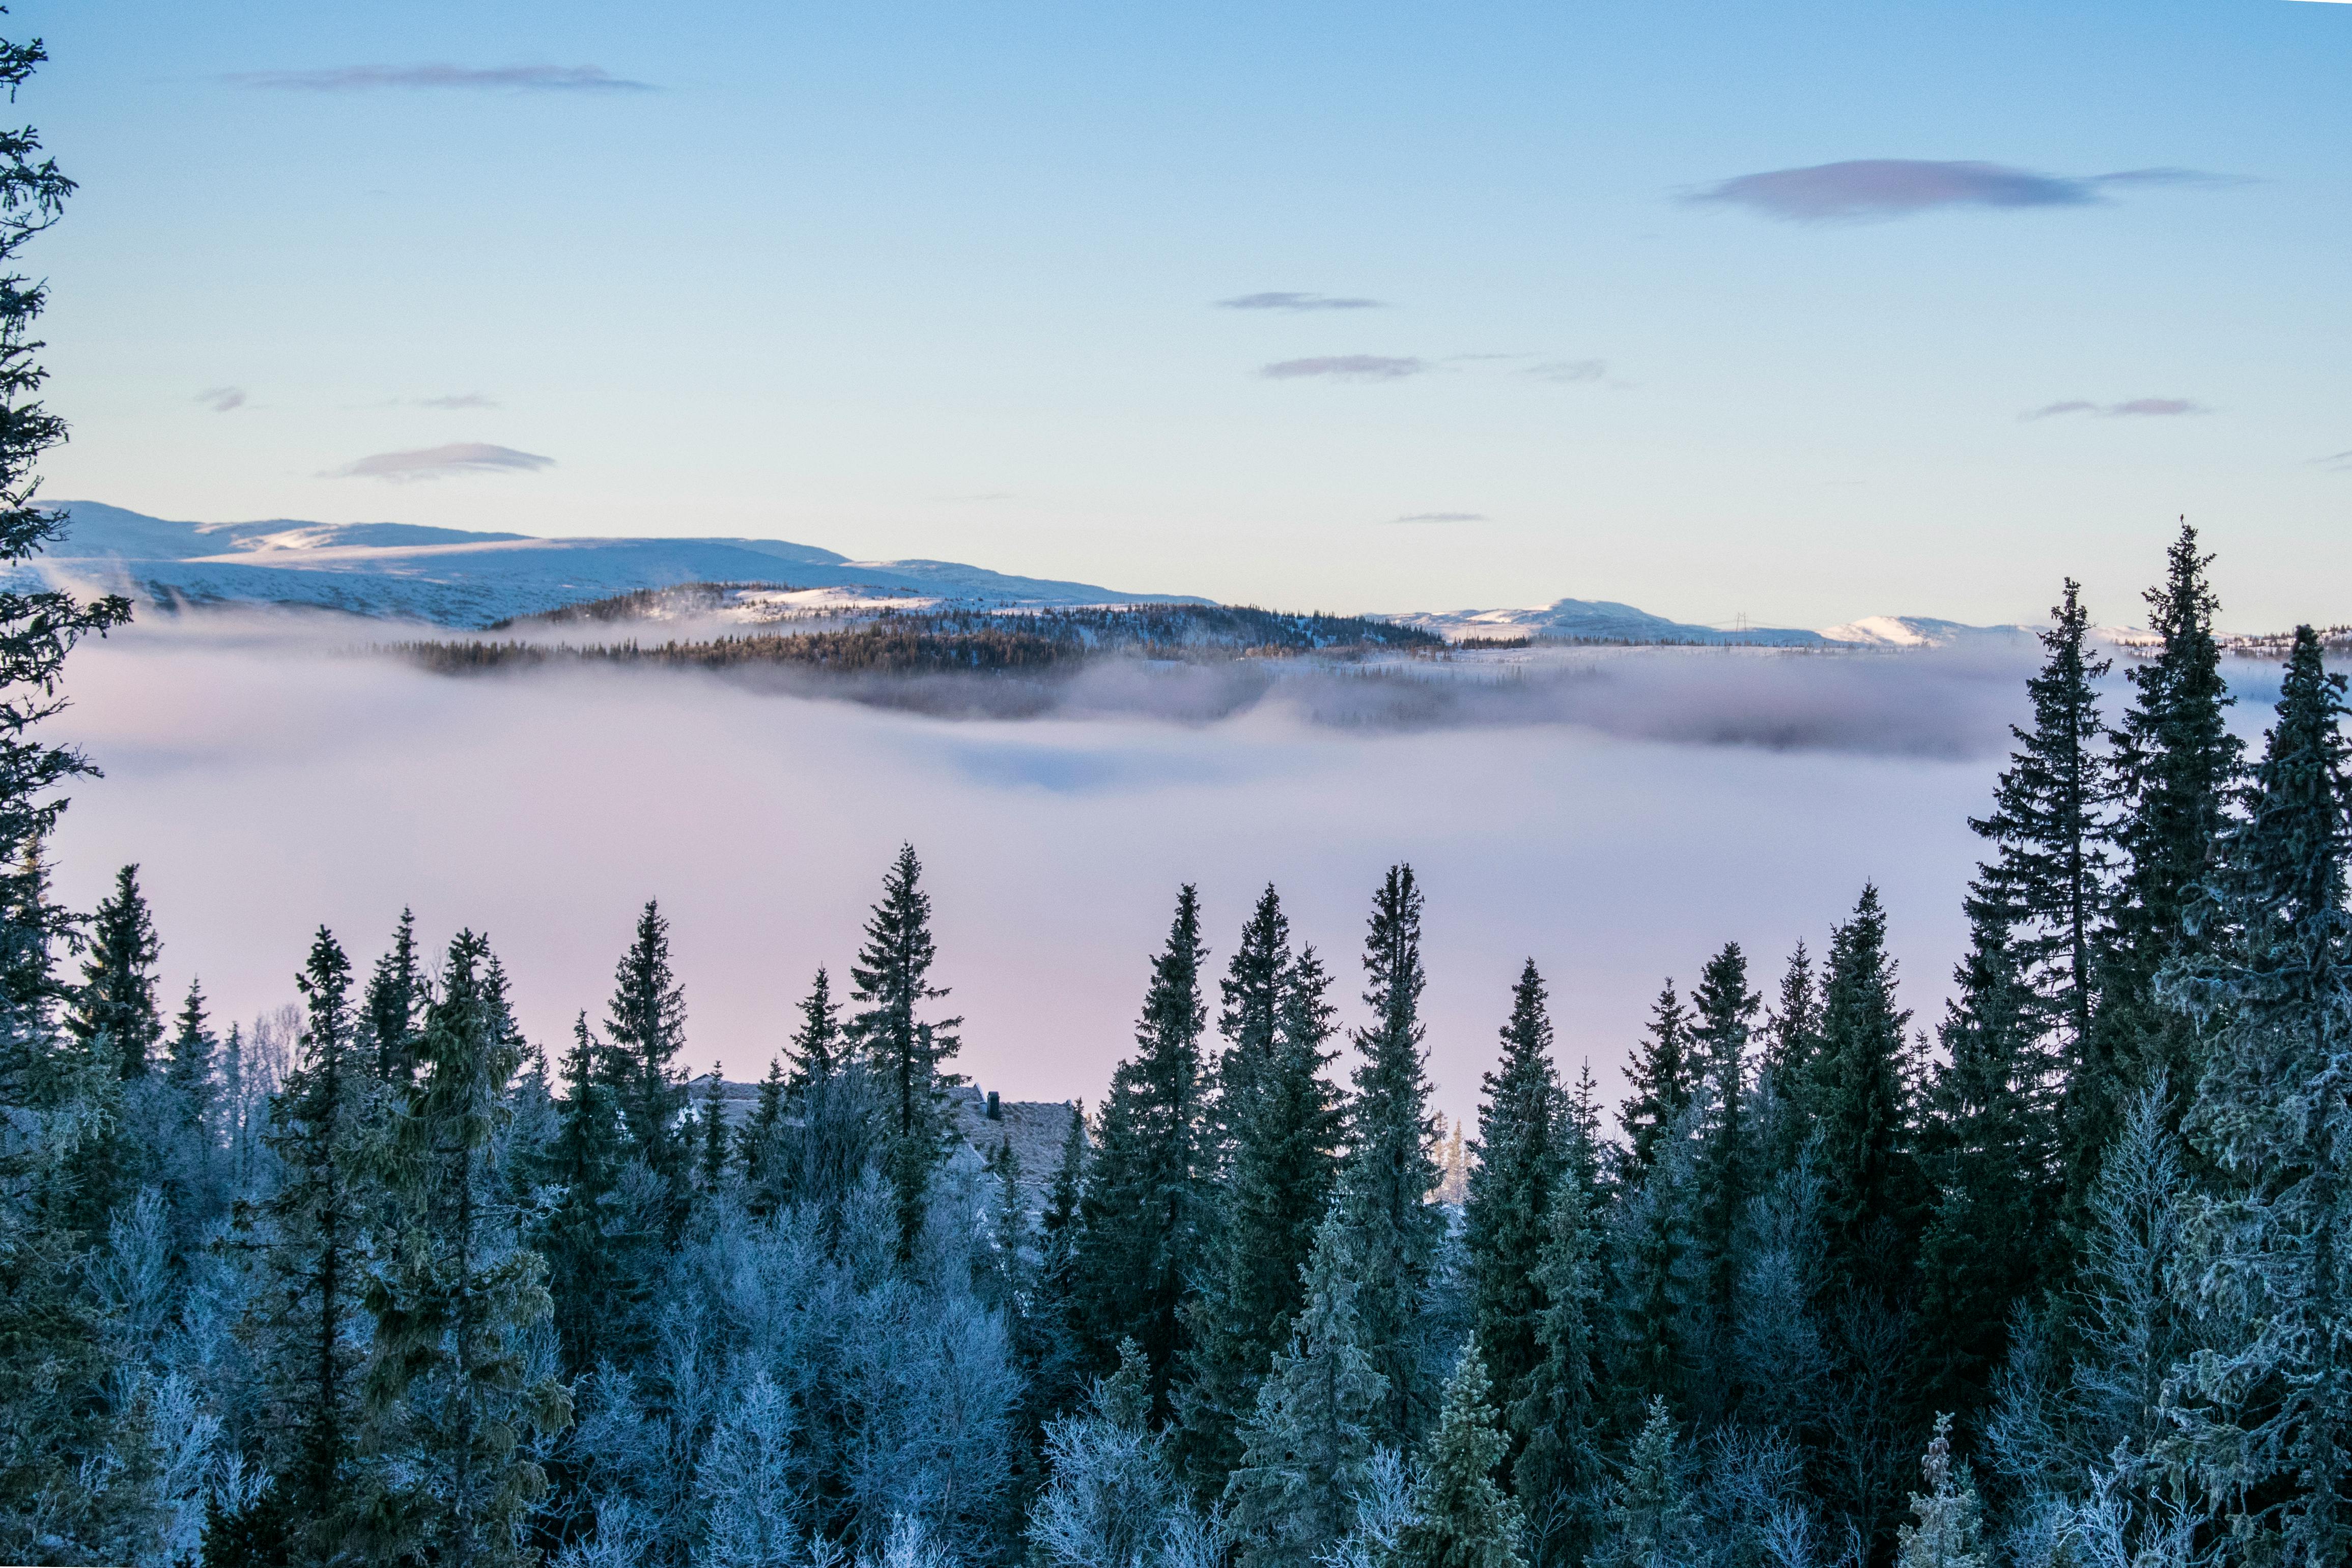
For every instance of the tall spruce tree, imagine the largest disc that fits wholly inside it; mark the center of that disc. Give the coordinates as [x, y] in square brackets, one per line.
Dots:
[450, 1393]
[645, 1030]
[595, 1300]
[1724, 1009]
[1279, 1175]
[2049, 882]
[1871, 1188]
[2266, 1417]
[192, 1073]
[1522, 1159]
[1461, 1518]
[315, 1239]
[1392, 1228]
[1784, 1068]
[905, 1052]
[396, 1003]
[2176, 766]
[116, 1002]
[1560, 1417]
[1663, 1078]
[1989, 1148]
[1147, 1190]
[1307, 1449]
[51, 1422]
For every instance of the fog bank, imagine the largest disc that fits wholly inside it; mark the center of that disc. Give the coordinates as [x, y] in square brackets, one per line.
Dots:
[1616, 822]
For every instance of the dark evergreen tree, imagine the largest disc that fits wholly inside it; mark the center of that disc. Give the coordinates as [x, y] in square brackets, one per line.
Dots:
[1725, 1168]
[1663, 1078]
[305, 1325]
[831, 1094]
[1561, 1471]
[1461, 1518]
[1384, 1186]
[192, 1071]
[645, 1030]
[1870, 1187]
[394, 1008]
[1989, 1149]
[1522, 1159]
[116, 1002]
[2264, 1420]
[1278, 1175]
[711, 1136]
[1053, 1348]
[592, 1298]
[451, 1396]
[2177, 766]
[1792, 1036]
[1252, 992]
[759, 1143]
[2048, 881]
[1307, 1449]
[904, 1051]
[1146, 1190]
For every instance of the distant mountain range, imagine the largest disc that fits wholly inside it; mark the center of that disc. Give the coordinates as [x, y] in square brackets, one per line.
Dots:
[454, 577]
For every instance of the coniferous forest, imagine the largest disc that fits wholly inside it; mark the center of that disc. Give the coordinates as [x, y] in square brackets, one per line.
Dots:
[2062, 1276]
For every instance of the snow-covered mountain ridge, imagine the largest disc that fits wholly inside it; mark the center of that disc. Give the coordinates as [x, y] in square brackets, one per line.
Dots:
[458, 577]
[455, 578]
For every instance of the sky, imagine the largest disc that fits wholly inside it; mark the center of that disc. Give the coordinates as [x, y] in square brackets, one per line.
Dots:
[1799, 312]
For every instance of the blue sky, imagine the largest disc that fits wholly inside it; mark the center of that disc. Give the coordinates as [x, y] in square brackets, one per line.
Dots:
[939, 281]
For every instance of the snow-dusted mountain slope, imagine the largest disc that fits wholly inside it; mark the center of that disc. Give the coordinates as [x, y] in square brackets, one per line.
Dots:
[458, 578]
[1605, 620]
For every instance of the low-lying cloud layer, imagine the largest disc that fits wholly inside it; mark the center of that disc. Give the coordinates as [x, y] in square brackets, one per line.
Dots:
[442, 462]
[1617, 817]
[1899, 187]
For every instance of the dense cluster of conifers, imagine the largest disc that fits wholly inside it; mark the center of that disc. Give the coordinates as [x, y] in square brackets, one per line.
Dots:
[900, 642]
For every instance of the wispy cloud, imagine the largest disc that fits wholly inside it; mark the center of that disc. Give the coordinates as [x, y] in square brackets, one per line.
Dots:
[1441, 517]
[442, 462]
[1346, 368]
[1567, 369]
[460, 400]
[2336, 461]
[1288, 301]
[492, 78]
[221, 400]
[2158, 407]
[1899, 187]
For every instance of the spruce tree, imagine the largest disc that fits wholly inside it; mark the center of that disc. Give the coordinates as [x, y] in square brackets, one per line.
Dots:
[1989, 1148]
[192, 1072]
[712, 1138]
[1147, 1190]
[1461, 1518]
[1652, 1521]
[759, 1143]
[1388, 1175]
[1251, 991]
[831, 1092]
[116, 1002]
[1946, 1529]
[1663, 1079]
[1521, 1163]
[1306, 1449]
[396, 1003]
[316, 1242]
[1724, 1008]
[2265, 1416]
[645, 1028]
[449, 1390]
[591, 1301]
[1792, 1036]
[2177, 766]
[1871, 1190]
[2048, 884]
[1279, 1171]
[903, 1050]
[1559, 1474]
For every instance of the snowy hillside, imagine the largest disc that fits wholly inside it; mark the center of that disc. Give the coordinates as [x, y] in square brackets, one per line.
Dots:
[1604, 621]
[454, 578]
